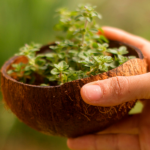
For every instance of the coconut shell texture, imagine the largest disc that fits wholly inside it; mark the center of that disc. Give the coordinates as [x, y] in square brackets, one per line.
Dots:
[60, 110]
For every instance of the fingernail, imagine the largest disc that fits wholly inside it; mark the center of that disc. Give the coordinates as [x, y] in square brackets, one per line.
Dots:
[92, 93]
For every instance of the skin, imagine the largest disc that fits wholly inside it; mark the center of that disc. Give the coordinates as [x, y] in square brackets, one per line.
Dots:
[133, 133]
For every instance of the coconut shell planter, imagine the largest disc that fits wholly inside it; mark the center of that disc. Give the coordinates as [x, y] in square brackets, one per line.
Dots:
[83, 55]
[60, 110]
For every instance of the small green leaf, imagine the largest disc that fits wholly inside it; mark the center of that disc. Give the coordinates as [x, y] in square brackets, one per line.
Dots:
[40, 62]
[123, 50]
[43, 84]
[54, 71]
[10, 71]
[122, 59]
[112, 51]
[52, 78]
[94, 30]
[103, 38]
[108, 59]
[62, 66]
[53, 47]
[89, 19]
[131, 57]
[77, 18]
[95, 45]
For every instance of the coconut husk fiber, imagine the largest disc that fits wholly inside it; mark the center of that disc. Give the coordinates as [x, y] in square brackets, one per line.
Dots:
[60, 110]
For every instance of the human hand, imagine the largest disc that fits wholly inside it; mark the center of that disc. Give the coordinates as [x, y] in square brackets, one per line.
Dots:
[133, 133]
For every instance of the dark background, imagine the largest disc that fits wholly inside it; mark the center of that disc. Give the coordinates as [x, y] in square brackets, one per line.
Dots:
[25, 21]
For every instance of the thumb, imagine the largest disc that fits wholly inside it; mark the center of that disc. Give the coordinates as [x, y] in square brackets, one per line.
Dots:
[116, 90]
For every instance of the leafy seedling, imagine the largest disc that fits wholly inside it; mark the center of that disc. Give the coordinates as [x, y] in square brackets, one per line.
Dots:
[80, 51]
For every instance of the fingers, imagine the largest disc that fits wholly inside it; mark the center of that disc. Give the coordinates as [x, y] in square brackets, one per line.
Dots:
[130, 125]
[120, 35]
[145, 114]
[105, 142]
[144, 125]
[116, 90]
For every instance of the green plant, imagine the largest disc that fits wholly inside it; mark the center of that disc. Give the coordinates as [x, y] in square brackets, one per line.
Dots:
[79, 51]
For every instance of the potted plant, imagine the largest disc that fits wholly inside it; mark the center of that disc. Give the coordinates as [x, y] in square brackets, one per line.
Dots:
[41, 85]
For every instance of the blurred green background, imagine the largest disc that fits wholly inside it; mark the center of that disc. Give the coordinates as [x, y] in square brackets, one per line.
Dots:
[24, 21]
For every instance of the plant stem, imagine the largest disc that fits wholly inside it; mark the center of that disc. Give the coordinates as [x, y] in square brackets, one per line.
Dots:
[66, 58]
[85, 26]
[91, 70]
[61, 80]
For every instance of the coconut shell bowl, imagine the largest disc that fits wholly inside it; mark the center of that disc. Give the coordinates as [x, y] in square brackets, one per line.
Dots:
[59, 110]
